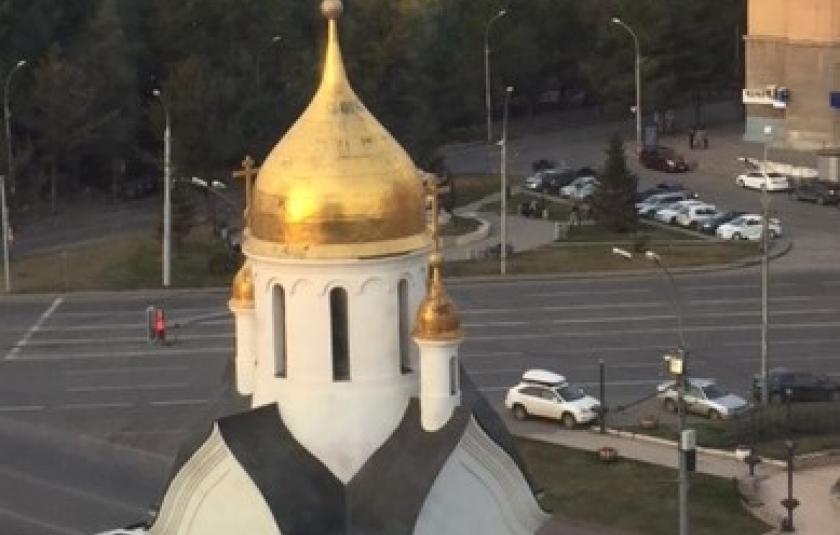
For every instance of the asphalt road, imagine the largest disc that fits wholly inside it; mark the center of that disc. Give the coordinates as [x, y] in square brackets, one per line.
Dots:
[91, 415]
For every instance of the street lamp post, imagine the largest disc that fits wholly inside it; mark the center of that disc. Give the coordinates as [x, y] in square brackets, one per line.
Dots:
[624, 25]
[765, 269]
[4, 229]
[678, 365]
[167, 193]
[503, 215]
[7, 114]
[488, 103]
[274, 40]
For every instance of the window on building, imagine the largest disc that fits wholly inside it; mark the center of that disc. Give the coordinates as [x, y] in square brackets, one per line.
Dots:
[453, 375]
[405, 322]
[339, 334]
[278, 309]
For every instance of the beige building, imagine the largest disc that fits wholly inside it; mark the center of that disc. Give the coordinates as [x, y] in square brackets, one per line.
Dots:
[792, 69]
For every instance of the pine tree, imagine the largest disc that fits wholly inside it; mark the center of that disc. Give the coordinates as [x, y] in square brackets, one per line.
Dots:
[613, 200]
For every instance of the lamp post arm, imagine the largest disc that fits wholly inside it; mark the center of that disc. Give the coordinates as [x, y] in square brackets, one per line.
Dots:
[675, 298]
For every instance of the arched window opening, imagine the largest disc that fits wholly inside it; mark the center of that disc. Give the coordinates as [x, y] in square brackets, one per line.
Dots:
[453, 375]
[278, 311]
[404, 326]
[339, 334]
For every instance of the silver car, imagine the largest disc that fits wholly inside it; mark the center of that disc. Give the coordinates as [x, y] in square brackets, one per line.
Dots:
[704, 397]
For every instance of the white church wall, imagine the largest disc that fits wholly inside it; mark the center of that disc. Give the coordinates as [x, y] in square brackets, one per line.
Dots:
[479, 490]
[213, 494]
[341, 422]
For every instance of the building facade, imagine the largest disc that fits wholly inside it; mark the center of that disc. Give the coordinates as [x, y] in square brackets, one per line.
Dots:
[793, 73]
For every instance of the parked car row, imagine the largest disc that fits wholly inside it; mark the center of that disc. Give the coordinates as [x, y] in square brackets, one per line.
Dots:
[545, 394]
[822, 192]
[567, 182]
[675, 206]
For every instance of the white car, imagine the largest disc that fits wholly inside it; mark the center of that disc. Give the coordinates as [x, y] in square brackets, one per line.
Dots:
[649, 206]
[748, 227]
[704, 397]
[762, 179]
[548, 395]
[668, 214]
[580, 188]
[693, 217]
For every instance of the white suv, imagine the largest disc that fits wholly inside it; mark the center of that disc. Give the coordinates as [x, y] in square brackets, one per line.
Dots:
[694, 216]
[548, 395]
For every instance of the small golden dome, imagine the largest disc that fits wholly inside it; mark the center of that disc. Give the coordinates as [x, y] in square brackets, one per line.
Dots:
[242, 290]
[437, 317]
[337, 185]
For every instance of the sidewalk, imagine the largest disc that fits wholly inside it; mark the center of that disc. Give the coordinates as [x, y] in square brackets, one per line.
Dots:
[815, 516]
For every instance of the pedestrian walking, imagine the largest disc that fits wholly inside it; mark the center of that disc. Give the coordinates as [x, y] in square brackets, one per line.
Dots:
[691, 134]
[669, 121]
[574, 217]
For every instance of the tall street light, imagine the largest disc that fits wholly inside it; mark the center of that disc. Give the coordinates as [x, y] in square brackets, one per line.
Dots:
[678, 365]
[274, 40]
[7, 113]
[167, 193]
[765, 268]
[621, 23]
[488, 103]
[4, 232]
[503, 226]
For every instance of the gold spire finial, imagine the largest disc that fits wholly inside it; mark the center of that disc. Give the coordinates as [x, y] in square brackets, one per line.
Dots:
[248, 173]
[332, 9]
[437, 317]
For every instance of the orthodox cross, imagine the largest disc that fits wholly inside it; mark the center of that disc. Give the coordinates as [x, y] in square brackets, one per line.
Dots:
[432, 190]
[248, 173]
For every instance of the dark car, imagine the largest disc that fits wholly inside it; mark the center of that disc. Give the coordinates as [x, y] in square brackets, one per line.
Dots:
[803, 386]
[663, 159]
[711, 226]
[555, 180]
[817, 191]
[138, 188]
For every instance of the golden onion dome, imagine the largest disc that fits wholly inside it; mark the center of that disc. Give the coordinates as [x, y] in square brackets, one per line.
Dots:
[242, 290]
[337, 185]
[437, 317]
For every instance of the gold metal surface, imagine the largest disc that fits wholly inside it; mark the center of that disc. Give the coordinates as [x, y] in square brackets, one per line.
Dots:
[337, 184]
[437, 317]
[242, 290]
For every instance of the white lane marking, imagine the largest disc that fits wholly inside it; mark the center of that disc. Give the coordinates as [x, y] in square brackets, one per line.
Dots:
[13, 353]
[15, 474]
[592, 292]
[138, 312]
[132, 370]
[498, 324]
[151, 353]
[495, 371]
[633, 383]
[807, 341]
[52, 528]
[114, 326]
[670, 330]
[171, 402]
[22, 408]
[83, 406]
[489, 354]
[125, 340]
[113, 388]
[732, 286]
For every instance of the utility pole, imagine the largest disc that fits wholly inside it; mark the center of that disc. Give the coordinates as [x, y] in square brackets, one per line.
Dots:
[765, 268]
[638, 73]
[166, 256]
[503, 215]
[7, 114]
[4, 229]
[488, 101]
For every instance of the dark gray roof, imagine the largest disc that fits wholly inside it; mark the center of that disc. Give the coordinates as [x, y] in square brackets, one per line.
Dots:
[387, 493]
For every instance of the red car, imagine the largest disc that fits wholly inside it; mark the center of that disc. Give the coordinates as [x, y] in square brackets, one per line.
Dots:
[663, 159]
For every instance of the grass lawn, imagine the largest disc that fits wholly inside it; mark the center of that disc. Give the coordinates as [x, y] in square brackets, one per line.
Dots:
[633, 496]
[129, 261]
[471, 188]
[460, 225]
[570, 258]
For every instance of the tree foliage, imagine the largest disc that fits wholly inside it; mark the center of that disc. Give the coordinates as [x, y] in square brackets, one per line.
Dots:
[613, 199]
[85, 116]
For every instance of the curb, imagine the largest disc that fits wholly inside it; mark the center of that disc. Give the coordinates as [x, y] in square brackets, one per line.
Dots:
[724, 454]
[461, 240]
